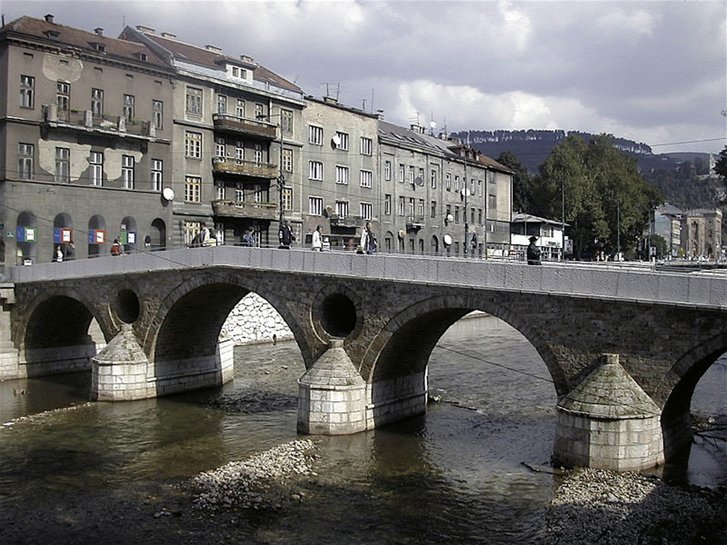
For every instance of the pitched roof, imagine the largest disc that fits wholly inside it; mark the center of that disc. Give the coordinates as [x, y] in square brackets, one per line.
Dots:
[214, 59]
[53, 34]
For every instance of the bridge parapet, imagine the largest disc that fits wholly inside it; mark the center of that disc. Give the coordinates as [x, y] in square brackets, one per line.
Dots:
[569, 279]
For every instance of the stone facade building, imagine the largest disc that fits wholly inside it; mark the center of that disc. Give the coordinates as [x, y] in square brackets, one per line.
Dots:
[702, 233]
[85, 140]
[145, 137]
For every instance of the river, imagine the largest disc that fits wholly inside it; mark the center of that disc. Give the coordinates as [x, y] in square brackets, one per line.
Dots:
[71, 470]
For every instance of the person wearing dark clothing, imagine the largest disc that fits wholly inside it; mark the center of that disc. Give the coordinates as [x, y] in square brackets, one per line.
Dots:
[533, 252]
[69, 252]
[368, 240]
[248, 239]
[285, 235]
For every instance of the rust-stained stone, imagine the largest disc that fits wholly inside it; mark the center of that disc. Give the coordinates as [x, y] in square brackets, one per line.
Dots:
[609, 392]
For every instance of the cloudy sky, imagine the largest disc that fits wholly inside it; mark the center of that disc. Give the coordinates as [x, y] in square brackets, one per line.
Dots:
[654, 71]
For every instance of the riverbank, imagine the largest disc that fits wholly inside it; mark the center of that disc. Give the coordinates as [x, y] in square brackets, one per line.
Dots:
[593, 506]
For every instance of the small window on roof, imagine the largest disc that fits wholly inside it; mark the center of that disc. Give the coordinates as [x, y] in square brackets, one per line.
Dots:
[143, 56]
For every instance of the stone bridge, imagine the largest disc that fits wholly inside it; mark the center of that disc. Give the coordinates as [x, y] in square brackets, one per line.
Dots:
[624, 347]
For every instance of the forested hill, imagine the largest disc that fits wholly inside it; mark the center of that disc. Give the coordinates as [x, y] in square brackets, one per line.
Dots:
[533, 146]
[684, 179]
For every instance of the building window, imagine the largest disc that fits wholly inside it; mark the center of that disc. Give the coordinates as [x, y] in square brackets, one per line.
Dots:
[448, 182]
[97, 102]
[341, 175]
[456, 184]
[157, 174]
[492, 202]
[193, 144]
[456, 214]
[63, 165]
[315, 170]
[259, 193]
[219, 190]
[258, 154]
[472, 215]
[315, 206]
[387, 204]
[127, 171]
[95, 161]
[192, 189]
[260, 111]
[63, 96]
[387, 170]
[239, 193]
[315, 135]
[402, 172]
[366, 146]
[342, 141]
[129, 107]
[410, 211]
[433, 210]
[479, 216]
[27, 92]
[287, 198]
[366, 178]
[220, 148]
[402, 206]
[433, 178]
[240, 150]
[194, 101]
[25, 161]
[366, 210]
[342, 209]
[286, 121]
[412, 174]
[240, 108]
[287, 160]
[221, 104]
[157, 107]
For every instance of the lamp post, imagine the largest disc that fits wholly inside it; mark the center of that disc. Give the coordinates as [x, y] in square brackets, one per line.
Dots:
[562, 220]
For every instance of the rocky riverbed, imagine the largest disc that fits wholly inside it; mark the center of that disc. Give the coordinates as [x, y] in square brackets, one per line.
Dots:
[602, 507]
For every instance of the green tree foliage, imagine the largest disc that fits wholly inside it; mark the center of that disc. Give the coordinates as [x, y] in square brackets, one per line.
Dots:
[522, 192]
[721, 166]
[601, 192]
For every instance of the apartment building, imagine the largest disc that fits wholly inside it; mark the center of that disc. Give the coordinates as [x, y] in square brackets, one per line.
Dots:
[236, 141]
[439, 196]
[341, 190]
[85, 142]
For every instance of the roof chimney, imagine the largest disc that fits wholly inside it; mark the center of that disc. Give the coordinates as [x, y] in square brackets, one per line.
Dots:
[145, 29]
[168, 35]
[98, 30]
[213, 48]
[49, 18]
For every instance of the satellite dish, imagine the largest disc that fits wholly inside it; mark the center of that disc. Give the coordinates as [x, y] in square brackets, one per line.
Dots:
[448, 239]
[329, 210]
[402, 233]
[450, 218]
[419, 181]
[433, 124]
[336, 140]
[168, 193]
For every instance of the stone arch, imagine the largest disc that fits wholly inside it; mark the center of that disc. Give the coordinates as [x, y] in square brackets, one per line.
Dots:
[53, 337]
[128, 234]
[217, 295]
[97, 235]
[26, 238]
[417, 329]
[158, 234]
[674, 394]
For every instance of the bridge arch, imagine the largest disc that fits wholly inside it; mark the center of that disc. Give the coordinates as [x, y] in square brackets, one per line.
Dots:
[190, 317]
[54, 337]
[411, 335]
[674, 394]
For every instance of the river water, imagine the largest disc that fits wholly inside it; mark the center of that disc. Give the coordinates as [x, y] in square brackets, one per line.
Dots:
[454, 475]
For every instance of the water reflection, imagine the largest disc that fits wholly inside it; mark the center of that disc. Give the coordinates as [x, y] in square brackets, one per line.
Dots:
[454, 475]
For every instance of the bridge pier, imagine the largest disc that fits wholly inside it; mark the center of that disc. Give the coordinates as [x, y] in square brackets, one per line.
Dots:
[332, 395]
[122, 371]
[609, 422]
[9, 355]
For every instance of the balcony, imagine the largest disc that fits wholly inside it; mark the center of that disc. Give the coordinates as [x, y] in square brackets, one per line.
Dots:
[414, 223]
[255, 210]
[236, 167]
[84, 120]
[241, 125]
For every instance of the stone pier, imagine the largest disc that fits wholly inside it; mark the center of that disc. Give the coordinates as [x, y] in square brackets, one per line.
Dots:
[8, 353]
[332, 395]
[609, 422]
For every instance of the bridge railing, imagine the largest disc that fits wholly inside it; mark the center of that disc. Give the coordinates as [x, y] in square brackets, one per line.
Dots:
[597, 280]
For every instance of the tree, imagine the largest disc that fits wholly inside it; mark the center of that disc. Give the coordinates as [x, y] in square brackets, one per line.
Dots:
[721, 166]
[521, 190]
[601, 192]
